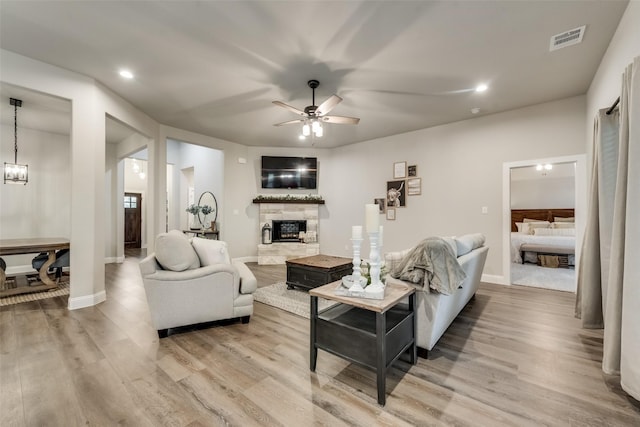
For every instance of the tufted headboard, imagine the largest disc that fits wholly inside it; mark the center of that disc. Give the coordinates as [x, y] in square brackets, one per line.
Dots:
[517, 215]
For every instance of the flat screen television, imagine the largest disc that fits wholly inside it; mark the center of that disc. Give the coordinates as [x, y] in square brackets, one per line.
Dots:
[289, 172]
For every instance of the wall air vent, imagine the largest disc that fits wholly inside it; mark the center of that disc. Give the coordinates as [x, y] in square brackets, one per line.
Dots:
[568, 38]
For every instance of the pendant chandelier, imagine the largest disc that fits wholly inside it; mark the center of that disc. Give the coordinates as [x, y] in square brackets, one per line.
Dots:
[13, 172]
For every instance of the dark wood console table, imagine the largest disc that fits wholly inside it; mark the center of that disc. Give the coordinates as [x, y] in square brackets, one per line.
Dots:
[28, 246]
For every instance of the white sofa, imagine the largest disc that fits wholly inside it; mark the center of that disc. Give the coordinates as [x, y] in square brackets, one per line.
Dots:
[436, 311]
[190, 281]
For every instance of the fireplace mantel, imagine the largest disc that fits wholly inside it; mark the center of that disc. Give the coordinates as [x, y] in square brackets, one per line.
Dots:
[296, 201]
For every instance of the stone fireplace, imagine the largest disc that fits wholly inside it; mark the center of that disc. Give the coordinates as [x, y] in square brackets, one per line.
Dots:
[287, 220]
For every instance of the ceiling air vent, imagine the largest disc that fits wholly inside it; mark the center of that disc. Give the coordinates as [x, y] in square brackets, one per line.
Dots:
[568, 38]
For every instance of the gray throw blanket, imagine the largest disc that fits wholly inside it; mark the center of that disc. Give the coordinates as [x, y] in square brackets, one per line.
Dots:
[431, 264]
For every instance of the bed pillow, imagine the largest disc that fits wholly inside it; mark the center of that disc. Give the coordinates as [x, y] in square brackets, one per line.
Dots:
[174, 252]
[563, 225]
[533, 220]
[529, 227]
[555, 232]
[560, 219]
[520, 227]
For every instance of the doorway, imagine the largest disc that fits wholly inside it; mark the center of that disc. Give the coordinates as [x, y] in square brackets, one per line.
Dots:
[578, 164]
[132, 220]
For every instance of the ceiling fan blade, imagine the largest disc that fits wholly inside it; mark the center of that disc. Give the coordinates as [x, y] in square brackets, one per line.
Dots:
[290, 108]
[328, 105]
[340, 120]
[290, 122]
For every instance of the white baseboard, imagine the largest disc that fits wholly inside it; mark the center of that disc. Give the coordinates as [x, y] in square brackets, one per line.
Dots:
[492, 278]
[87, 300]
[114, 260]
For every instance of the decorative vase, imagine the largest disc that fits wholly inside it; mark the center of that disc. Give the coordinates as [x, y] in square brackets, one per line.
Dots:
[195, 223]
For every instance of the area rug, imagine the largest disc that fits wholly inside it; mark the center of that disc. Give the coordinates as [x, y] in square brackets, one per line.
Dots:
[292, 300]
[63, 289]
[559, 279]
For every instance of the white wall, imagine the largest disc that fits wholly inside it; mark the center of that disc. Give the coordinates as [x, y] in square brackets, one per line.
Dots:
[236, 195]
[607, 82]
[556, 193]
[175, 204]
[42, 208]
[111, 193]
[208, 175]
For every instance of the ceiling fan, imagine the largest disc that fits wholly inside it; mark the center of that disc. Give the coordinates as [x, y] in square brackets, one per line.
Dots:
[314, 115]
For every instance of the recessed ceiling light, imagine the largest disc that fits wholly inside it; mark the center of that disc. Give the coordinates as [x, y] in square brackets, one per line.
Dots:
[126, 74]
[481, 87]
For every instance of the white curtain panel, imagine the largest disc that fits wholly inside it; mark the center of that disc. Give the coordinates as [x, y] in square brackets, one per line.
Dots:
[609, 277]
[596, 247]
[626, 239]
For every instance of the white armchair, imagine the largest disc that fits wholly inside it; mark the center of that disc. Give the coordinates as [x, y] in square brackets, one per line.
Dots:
[190, 281]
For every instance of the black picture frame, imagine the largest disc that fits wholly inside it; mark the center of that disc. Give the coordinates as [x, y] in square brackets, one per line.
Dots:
[396, 194]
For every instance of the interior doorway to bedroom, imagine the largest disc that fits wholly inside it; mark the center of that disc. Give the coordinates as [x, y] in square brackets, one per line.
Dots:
[542, 191]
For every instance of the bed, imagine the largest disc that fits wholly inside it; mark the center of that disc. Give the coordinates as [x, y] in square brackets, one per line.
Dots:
[554, 243]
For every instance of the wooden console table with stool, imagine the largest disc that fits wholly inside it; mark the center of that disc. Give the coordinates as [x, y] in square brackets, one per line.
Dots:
[28, 246]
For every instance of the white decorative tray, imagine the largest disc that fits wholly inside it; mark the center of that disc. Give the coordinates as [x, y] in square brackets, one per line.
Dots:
[344, 289]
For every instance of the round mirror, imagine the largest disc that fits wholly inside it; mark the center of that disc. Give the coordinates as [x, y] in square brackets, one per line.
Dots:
[208, 209]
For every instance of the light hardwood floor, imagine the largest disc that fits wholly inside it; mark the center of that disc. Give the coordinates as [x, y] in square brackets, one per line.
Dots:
[514, 357]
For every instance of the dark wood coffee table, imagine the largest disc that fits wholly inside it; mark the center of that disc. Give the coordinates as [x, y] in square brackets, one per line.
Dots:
[313, 271]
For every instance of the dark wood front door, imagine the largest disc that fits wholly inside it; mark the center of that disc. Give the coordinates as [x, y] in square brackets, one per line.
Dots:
[132, 220]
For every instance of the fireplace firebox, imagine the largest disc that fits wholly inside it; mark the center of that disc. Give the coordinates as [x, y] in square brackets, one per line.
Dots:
[288, 230]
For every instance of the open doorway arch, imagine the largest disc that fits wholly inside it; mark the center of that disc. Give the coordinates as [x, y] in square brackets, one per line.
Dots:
[580, 204]
[127, 170]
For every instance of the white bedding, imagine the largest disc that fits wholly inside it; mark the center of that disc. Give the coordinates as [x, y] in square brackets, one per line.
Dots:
[519, 238]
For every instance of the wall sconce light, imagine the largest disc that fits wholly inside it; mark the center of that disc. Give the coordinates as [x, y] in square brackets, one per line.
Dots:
[13, 172]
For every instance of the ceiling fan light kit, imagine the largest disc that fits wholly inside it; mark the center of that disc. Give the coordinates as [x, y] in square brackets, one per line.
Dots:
[313, 115]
